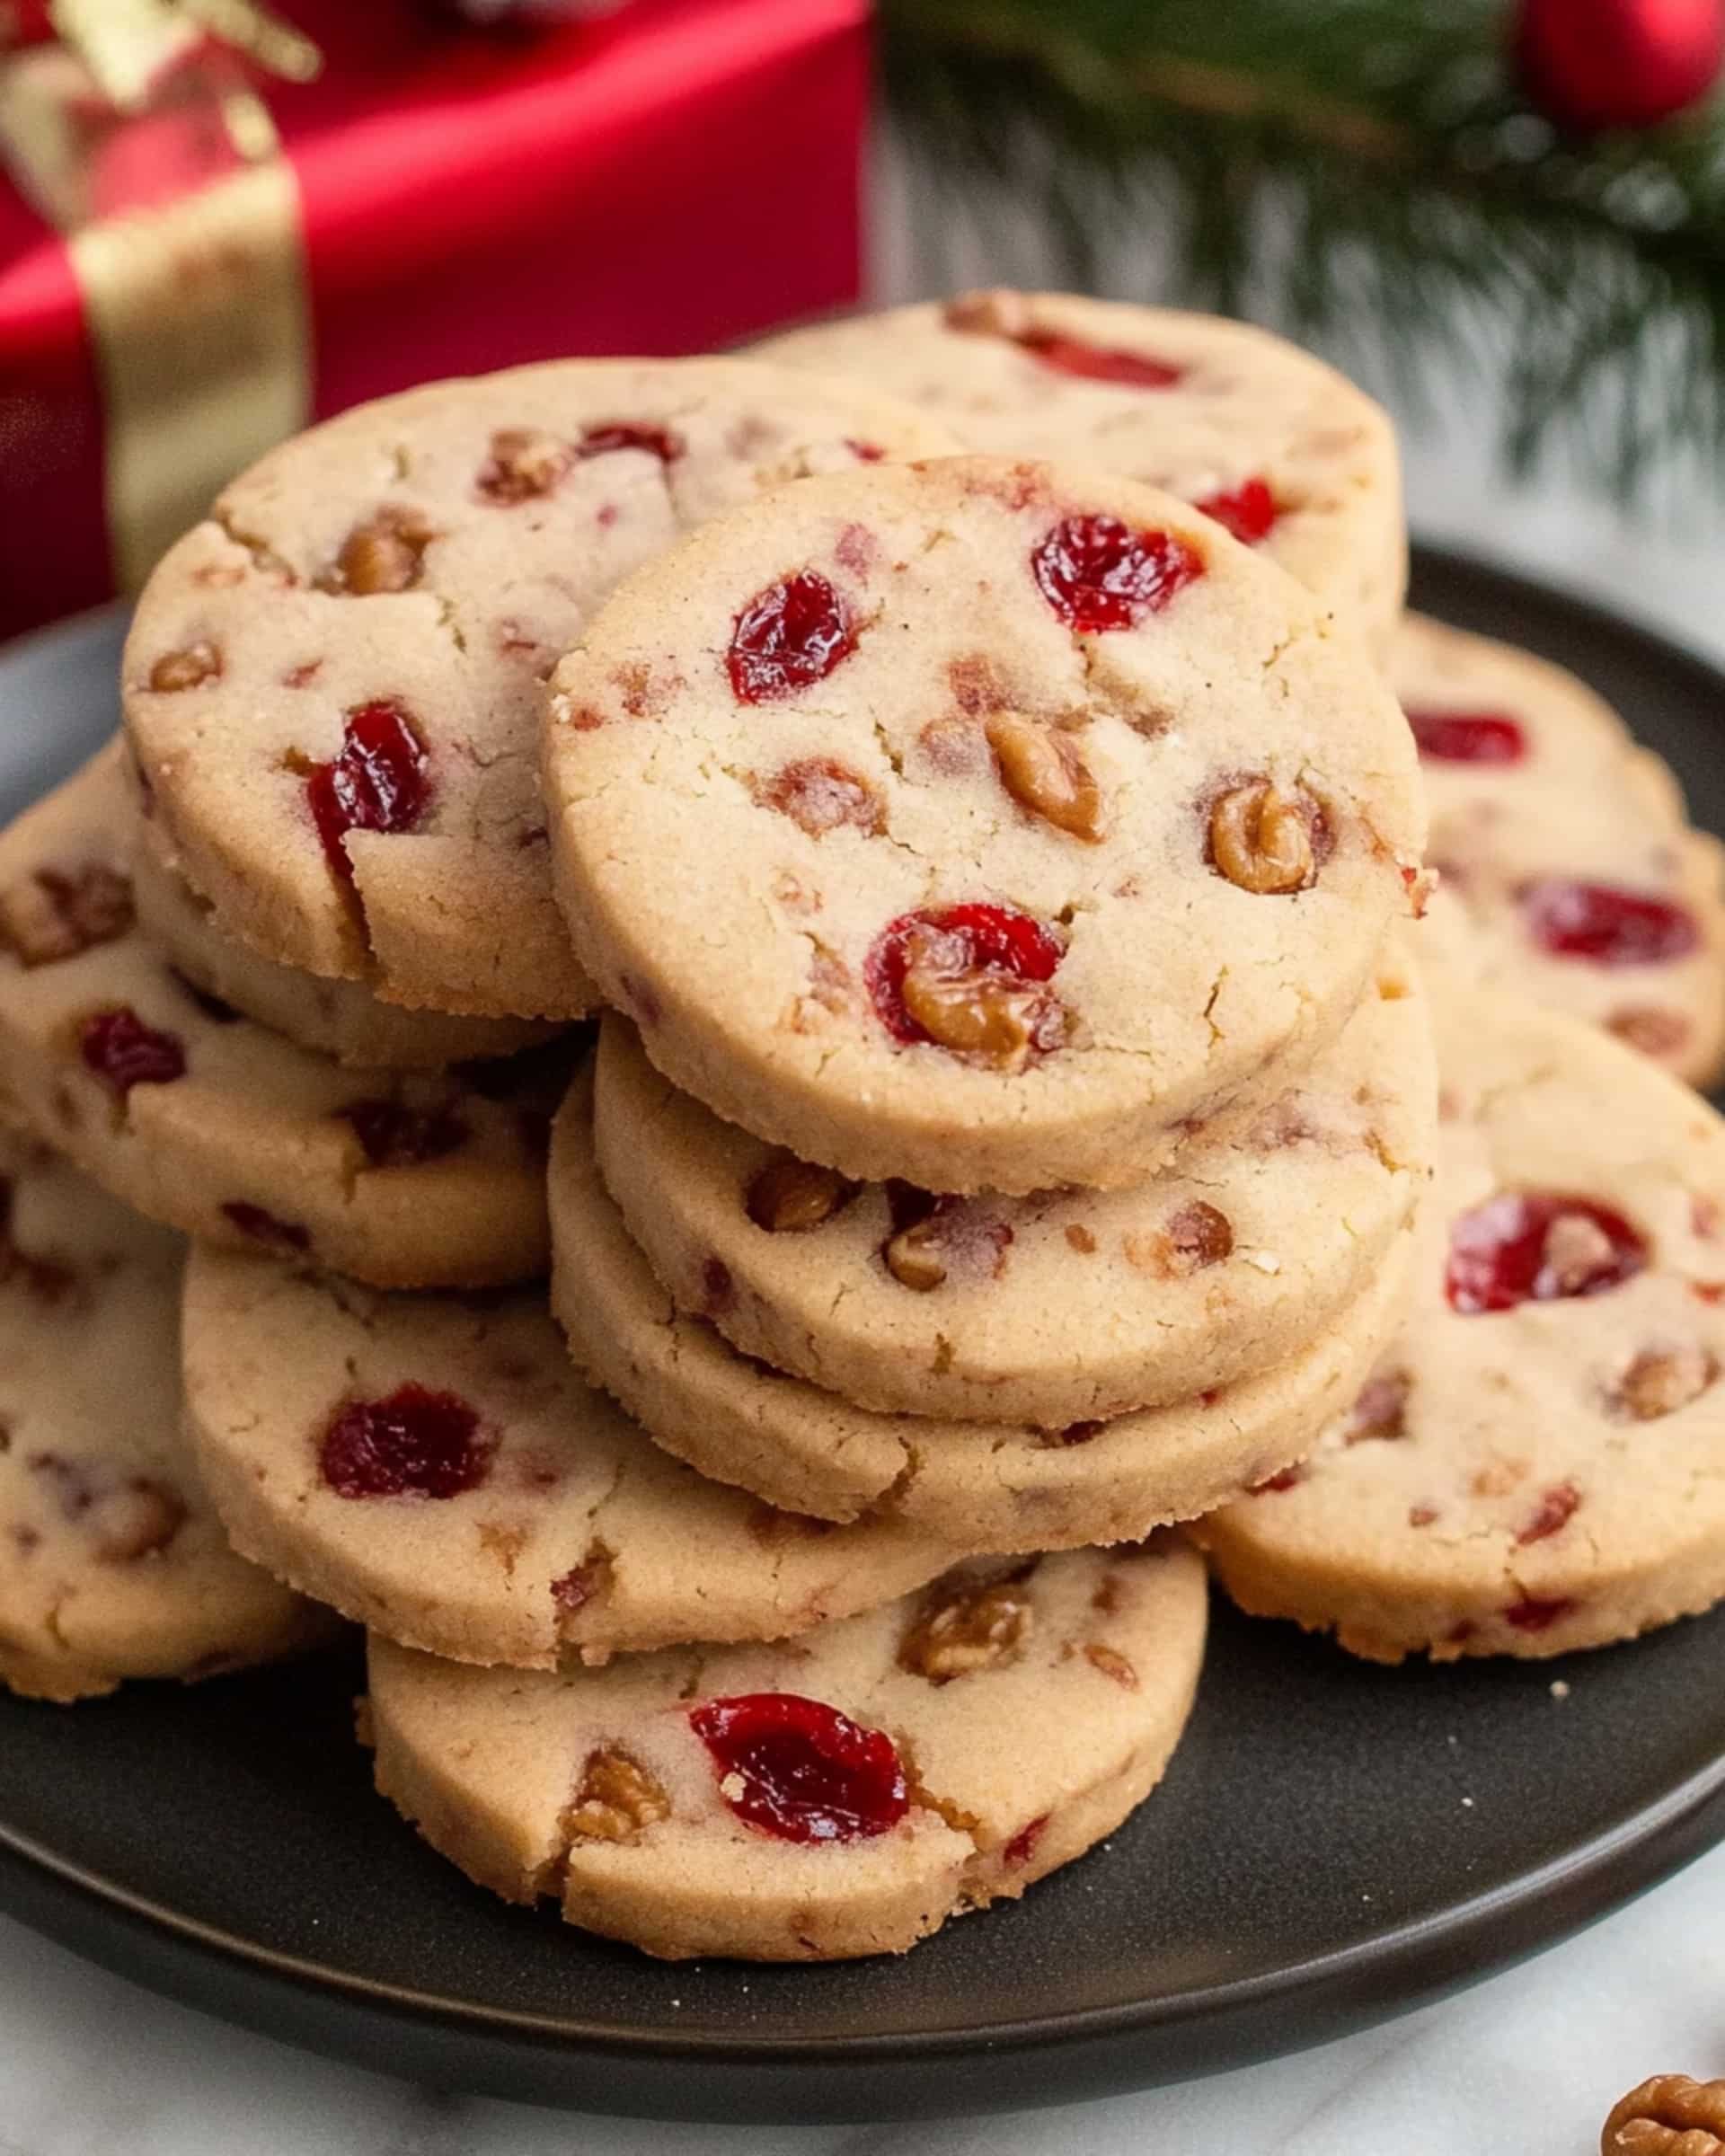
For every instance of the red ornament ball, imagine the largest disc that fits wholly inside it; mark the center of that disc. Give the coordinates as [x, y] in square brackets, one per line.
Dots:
[1591, 64]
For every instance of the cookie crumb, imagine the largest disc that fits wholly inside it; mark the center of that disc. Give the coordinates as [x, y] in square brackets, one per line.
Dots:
[1560, 1689]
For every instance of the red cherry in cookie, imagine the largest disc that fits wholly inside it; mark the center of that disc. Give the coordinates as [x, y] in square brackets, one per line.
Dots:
[1249, 511]
[1536, 1246]
[1099, 574]
[630, 434]
[788, 637]
[971, 979]
[124, 1052]
[1097, 362]
[1605, 925]
[413, 1444]
[799, 1770]
[380, 782]
[1468, 736]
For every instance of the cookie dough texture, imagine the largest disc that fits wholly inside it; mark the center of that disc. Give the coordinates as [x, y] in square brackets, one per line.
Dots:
[342, 1019]
[437, 551]
[490, 1764]
[977, 1485]
[1525, 1480]
[113, 1562]
[1245, 406]
[1582, 803]
[1059, 1308]
[745, 938]
[579, 1537]
[255, 1144]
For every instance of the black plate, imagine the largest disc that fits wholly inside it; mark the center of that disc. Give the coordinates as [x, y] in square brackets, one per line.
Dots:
[1334, 1843]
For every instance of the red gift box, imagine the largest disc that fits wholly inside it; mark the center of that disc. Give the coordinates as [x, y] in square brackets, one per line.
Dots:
[669, 178]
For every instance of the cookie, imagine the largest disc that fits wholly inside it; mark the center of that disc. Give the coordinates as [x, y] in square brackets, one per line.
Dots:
[114, 1565]
[333, 685]
[211, 1124]
[977, 1485]
[1068, 1306]
[983, 825]
[1567, 847]
[337, 1017]
[436, 1469]
[838, 1795]
[1539, 1462]
[1285, 452]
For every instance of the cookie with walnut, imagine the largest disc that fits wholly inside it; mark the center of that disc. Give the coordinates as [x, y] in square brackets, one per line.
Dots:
[343, 1019]
[979, 1485]
[1539, 1462]
[987, 824]
[213, 1125]
[436, 1468]
[1284, 451]
[1566, 847]
[114, 1564]
[837, 1795]
[333, 685]
[1064, 1307]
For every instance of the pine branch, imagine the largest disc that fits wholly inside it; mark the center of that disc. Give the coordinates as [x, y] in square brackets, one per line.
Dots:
[1365, 173]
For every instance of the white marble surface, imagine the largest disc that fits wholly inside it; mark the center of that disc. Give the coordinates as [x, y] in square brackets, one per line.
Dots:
[1525, 2064]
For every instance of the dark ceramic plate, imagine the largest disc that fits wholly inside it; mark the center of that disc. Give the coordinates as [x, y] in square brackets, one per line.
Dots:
[1313, 1861]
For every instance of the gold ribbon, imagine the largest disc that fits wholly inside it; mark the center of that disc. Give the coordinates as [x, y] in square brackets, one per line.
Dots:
[196, 307]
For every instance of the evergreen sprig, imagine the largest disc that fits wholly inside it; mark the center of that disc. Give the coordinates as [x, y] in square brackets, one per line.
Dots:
[1367, 174]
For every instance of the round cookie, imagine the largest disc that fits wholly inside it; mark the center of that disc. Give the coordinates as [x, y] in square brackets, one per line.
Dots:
[337, 1017]
[977, 1485]
[988, 824]
[1539, 1462]
[1567, 848]
[1064, 1307]
[837, 1795]
[115, 1565]
[333, 685]
[1286, 452]
[209, 1123]
[438, 1470]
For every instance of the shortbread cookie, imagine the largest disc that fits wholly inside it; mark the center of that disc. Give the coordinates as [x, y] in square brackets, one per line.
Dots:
[984, 825]
[1278, 447]
[333, 685]
[209, 1123]
[838, 1795]
[979, 1485]
[1567, 847]
[113, 1562]
[436, 1469]
[1064, 1307]
[337, 1017]
[1539, 1464]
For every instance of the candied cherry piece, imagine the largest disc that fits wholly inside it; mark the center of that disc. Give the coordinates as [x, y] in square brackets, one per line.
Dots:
[1099, 574]
[1606, 925]
[1468, 736]
[413, 1444]
[1098, 362]
[1533, 1246]
[630, 434]
[967, 979]
[790, 635]
[1534, 1613]
[798, 1769]
[1249, 510]
[393, 1134]
[124, 1052]
[380, 782]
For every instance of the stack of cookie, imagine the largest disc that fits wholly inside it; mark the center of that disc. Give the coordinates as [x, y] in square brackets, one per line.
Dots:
[1012, 1094]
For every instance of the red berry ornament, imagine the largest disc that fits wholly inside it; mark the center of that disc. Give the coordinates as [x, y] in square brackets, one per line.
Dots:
[1590, 64]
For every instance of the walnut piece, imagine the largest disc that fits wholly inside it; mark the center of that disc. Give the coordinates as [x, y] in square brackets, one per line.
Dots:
[913, 1256]
[1199, 1236]
[1113, 1663]
[525, 462]
[618, 1799]
[820, 794]
[136, 1520]
[384, 554]
[996, 313]
[974, 1011]
[55, 914]
[1260, 838]
[1661, 1379]
[1041, 768]
[185, 669]
[788, 1197]
[956, 1634]
[1669, 2116]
